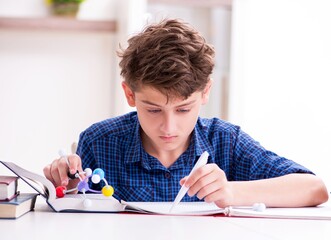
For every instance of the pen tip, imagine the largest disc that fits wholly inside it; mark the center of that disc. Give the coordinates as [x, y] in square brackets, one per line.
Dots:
[62, 153]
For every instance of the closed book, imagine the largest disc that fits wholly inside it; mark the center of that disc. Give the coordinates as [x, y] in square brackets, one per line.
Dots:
[8, 187]
[18, 206]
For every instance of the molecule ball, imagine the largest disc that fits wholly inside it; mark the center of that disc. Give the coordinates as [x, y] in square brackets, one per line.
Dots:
[259, 207]
[95, 178]
[88, 172]
[83, 186]
[60, 191]
[107, 191]
[87, 203]
[100, 172]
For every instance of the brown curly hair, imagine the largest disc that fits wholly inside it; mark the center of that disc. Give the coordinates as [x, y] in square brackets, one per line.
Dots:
[170, 57]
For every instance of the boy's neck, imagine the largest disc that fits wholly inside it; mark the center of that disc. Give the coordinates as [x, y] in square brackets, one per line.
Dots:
[165, 157]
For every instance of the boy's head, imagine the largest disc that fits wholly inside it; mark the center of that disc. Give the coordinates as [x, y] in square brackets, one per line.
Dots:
[170, 57]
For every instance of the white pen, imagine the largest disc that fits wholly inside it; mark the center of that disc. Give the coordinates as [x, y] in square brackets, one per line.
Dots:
[183, 190]
[63, 154]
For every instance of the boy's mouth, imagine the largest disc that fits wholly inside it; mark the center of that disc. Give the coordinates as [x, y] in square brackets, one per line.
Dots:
[168, 138]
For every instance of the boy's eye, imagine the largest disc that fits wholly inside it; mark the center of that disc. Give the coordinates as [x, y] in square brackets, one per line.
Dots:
[183, 110]
[154, 110]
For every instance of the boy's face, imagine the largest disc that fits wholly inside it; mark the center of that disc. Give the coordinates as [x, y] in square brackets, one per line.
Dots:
[166, 125]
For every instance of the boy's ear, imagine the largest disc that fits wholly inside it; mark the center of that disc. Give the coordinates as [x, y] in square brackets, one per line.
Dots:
[206, 92]
[129, 94]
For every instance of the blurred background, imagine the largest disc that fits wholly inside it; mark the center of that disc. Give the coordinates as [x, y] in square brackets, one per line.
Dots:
[59, 71]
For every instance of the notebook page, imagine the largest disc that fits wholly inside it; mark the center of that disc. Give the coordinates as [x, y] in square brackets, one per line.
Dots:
[183, 208]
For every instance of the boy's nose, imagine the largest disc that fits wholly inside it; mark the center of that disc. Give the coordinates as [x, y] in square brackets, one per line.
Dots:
[168, 125]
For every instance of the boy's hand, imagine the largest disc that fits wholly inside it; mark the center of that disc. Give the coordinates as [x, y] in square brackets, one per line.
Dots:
[57, 171]
[210, 182]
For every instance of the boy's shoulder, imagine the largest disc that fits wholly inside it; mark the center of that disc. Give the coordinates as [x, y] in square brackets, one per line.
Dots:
[116, 126]
[216, 125]
[211, 133]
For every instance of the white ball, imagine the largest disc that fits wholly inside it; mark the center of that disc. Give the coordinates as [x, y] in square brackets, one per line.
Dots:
[259, 207]
[95, 178]
[88, 172]
[87, 203]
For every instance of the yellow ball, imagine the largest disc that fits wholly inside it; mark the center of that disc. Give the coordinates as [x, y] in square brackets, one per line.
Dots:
[107, 191]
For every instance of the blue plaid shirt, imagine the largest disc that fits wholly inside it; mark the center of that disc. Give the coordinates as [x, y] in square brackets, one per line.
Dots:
[115, 146]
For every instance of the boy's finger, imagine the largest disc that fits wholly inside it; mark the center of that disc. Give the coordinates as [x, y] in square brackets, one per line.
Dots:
[75, 163]
[63, 171]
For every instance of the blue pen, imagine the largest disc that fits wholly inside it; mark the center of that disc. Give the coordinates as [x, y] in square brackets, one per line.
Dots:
[183, 190]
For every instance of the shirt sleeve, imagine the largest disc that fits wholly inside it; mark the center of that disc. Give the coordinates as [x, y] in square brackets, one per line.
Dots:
[253, 162]
[85, 152]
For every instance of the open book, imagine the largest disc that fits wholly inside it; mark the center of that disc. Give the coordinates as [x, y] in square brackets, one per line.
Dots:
[100, 203]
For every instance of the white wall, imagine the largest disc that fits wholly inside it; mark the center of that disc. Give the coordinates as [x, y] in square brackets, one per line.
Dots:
[53, 84]
[281, 77]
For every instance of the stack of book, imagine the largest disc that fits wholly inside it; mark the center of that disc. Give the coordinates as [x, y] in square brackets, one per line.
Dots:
[14, 204]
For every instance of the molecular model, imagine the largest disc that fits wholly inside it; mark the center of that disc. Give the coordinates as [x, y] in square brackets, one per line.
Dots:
[83, 186]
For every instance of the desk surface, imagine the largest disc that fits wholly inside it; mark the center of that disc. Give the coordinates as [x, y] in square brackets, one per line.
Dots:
[43, 224]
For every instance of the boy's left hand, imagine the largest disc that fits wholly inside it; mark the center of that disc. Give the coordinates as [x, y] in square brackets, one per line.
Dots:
[209, 182]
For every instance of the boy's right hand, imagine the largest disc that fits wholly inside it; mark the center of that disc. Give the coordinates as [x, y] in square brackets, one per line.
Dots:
[57, 171]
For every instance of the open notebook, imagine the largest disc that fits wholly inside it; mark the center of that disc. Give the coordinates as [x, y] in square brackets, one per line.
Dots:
[100, 203]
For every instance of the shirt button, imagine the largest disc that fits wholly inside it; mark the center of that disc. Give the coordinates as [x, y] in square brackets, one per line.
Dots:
[167, 175]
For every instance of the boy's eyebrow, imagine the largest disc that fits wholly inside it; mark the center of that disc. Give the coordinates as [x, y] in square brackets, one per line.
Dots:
[156, 105]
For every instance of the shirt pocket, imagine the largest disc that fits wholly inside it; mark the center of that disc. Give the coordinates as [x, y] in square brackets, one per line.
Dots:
[134, 193]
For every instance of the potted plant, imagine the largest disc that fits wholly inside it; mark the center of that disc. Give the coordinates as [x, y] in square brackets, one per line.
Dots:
[67, 8]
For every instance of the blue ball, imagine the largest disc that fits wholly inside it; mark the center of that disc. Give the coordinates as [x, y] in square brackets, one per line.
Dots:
[100, 172]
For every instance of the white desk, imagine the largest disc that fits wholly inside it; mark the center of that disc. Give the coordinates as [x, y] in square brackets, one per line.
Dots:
[45, 224]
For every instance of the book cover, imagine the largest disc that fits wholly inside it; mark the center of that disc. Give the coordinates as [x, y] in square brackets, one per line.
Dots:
[18, 206]
[8, 187]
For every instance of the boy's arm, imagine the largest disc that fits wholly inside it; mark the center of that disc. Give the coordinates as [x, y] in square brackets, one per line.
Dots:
[291, 190]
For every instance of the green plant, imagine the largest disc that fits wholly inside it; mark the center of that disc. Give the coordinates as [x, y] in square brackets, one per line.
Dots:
[66, 8]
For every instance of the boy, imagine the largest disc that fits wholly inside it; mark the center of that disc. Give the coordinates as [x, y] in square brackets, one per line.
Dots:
[147, 154]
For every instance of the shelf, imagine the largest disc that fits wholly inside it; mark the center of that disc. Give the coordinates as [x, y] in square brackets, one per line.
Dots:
[57, 23]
